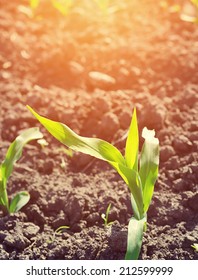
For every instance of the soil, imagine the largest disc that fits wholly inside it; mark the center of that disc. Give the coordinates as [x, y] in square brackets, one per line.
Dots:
[89, 70]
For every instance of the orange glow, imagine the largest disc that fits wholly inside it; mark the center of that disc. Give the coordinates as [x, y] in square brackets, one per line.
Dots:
[122, 39]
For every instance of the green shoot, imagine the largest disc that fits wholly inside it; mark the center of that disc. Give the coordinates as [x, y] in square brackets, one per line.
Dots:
[13, 154]
[105, 216]
[140, 178]
[58, 231]
[195, 246]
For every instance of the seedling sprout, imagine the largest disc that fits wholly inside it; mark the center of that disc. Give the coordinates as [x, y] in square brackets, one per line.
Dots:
[58, 231]
[13, 154]
[105, 216]
[139, 175]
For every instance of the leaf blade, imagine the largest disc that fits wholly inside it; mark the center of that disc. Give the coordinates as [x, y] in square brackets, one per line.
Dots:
[20, 200]
[91, 146]
[13, 154]
[149, 164]
[15, 149]
[132, 144]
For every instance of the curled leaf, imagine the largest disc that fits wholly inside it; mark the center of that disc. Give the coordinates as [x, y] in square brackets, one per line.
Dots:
[13, 154]
[149, 162]
[20, 200]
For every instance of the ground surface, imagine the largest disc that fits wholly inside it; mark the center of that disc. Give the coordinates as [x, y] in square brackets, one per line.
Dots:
[49, 62]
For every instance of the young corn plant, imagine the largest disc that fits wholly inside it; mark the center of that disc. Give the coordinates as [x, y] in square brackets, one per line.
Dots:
[139, 175]
[13, 154]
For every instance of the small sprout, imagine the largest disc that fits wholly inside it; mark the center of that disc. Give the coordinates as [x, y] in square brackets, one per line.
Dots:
[13, 154]
[106, 216]
[43, 143]
[58, 231]
[195, 246]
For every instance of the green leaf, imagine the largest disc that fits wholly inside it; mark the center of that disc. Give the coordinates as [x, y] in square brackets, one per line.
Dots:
[91, 146]
[13, 154]
[149, 162]
[15, 150]
[132, 144]
[20, 200]
[135, 236]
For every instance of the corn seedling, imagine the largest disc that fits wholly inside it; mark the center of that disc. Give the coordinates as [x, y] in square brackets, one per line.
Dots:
[140, 177]
[58, 231]
[105, 216]
[13, 154]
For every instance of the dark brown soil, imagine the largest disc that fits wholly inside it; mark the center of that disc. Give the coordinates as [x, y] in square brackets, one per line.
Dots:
[48, 61]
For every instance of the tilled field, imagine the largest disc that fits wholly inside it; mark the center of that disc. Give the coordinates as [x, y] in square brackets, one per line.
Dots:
[89, 70]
